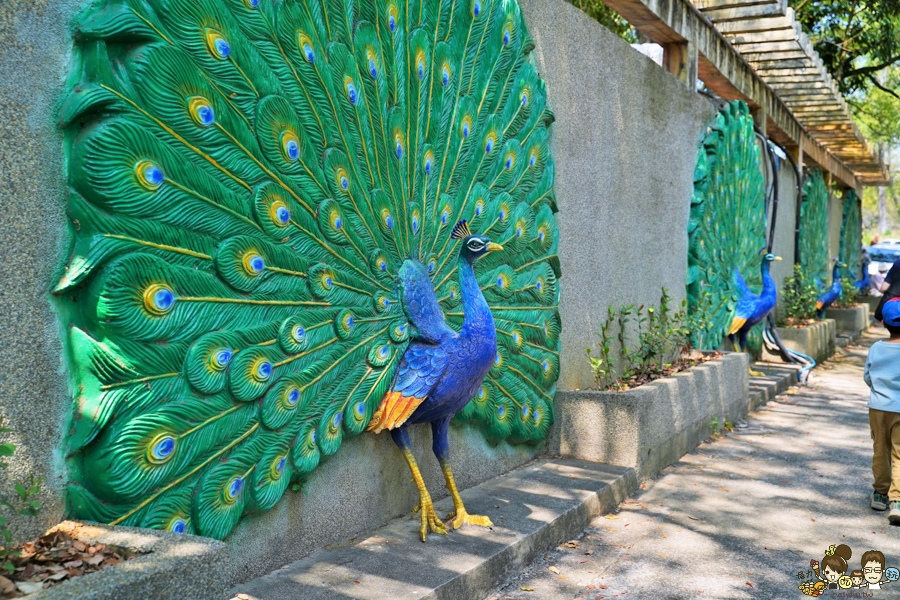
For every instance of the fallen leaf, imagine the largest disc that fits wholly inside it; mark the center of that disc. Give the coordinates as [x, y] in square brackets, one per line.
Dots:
[356, 582]
[571, 544]
[748, 583]
[525, 589]
[553, 570]
[601, 586]
[723, 489]
[663, 555]
[562, 576]
[584, 561]
[588, 552]
[27, 587]
[693, 518]
[611, 516]
[813, 520]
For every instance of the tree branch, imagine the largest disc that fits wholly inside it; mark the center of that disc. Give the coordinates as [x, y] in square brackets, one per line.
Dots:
[867, 70]
[881, 87]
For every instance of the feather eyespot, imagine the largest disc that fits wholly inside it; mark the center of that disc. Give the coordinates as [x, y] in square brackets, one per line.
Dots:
[507, 33]
[489, 143]
[525, 412]
[217, 45]
[466, 126]
[233, 490]
[479, 207]
[279, 214]
[177, 525]
[299, 334]
[352, 94]
[277, 467]
[523, 98]
[429, 160]
[415, 221]
[360, 409]
[158, 299]
[420, 64]
[476, 8]
[533, 157]
[251, 4]
[292, 397]
[161, 449]
[509, 161]
[445, 215]
[445, 74]
[342, 179]
[253, 263]
[373, 64]
[306, 46]
[398, 142]
[393, 14]
[149, 175]
[201, 111]
[220, 359]
[290, 145]
[387, 218]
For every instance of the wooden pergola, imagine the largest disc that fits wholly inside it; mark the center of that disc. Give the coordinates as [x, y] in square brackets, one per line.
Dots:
[755, 50]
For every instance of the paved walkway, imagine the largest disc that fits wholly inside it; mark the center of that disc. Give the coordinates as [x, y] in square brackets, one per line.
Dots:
[740, 516]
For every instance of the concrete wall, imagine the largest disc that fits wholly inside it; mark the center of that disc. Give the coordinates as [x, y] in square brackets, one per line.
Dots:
[35, 48]
[625, 147]
[785, 223]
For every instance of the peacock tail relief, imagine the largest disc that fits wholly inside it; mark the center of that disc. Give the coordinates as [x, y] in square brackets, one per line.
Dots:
[727, 224]
[813, 221]
[246, 178]
[851, 235]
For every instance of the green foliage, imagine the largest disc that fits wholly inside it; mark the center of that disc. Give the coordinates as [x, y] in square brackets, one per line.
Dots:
[246, 180]
[726, 229]
[849, 296]
[608, 18]
[662, 336]
[798, 298]
[856, 39]
[22, 504]
[814, 227]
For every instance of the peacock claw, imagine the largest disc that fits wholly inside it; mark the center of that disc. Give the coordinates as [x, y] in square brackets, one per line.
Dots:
[461, 517]
[429, 520]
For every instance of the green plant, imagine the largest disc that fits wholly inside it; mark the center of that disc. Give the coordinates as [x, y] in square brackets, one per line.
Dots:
[23, 505]
[798, 298]
[729, 426]
[714, 426]
[663, 335]
[848, 297]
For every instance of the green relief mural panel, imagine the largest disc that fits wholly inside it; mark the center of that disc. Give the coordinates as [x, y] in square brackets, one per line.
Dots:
[814, 228]
[727, 226]
[247, 178]
[851, 236]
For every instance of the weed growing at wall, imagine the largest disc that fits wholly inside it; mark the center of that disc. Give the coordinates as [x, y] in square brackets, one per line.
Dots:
[21, 504]
[798, 299]
[662, 337]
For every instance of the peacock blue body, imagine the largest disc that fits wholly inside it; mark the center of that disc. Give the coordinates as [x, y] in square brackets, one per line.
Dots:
[832, 293]
[263, 196]
[752, 308]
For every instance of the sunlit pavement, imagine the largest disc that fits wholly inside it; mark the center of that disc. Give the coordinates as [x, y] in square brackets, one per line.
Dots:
[742, 515]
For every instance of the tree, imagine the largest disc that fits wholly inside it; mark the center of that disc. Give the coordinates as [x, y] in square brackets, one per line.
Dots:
[855, 39]
[608, 18]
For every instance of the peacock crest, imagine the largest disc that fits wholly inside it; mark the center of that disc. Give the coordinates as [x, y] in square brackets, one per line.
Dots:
[246, 178]
[727, 225]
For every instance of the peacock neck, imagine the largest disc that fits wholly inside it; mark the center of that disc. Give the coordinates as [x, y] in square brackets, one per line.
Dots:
[835, 276]
[768, 282]
[477, 313]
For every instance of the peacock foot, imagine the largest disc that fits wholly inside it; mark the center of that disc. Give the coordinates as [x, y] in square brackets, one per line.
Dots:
[460, 517]
[756, 373]
[429, 519]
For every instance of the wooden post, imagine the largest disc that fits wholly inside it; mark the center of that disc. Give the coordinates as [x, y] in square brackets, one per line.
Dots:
[680, 59]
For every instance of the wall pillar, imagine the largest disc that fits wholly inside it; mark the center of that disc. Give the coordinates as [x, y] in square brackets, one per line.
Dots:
[680, 59]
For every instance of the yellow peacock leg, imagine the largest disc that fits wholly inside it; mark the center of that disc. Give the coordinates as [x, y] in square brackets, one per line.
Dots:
[460, 514]
[429, 517]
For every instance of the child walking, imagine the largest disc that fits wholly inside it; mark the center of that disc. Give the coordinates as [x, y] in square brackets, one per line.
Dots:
[882, 374]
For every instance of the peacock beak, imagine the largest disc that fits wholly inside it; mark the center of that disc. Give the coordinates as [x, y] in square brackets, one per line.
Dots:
[777, 258]
[492, 247]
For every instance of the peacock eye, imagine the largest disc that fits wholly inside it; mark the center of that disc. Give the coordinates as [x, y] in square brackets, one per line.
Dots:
[475, 245]
[178, 526]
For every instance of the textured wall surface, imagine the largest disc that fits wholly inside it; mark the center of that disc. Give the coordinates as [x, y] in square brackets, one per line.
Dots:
[34, 53]
[785, 224]
[625, 147]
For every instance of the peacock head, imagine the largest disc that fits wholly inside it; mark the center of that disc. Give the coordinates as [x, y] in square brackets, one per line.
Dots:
[473, 246]
[769, 257]
[838, 263]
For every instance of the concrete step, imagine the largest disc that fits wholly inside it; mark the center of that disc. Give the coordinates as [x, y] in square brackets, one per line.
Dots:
[534, 509]
[776, 380]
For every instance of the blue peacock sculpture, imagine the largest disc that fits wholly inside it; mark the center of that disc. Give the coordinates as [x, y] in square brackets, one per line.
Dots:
[862, 284]
[832, 293]
[287, 218]
[752, 308]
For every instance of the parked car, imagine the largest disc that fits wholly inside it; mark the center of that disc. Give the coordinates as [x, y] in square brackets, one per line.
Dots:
[885, 251]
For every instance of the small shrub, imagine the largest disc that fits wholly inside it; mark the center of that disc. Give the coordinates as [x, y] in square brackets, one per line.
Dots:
[849, 296]
[798, 299]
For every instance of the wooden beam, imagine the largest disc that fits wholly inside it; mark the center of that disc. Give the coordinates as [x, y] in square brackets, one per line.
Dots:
[744, 12]
[680, 59]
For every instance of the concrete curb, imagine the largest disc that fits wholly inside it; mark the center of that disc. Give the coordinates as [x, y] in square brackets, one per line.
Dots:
[816, 340]
[849, 322]
[176, 567]
[534, 509]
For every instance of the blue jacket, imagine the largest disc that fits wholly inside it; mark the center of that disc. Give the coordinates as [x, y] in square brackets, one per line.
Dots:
[882, 374]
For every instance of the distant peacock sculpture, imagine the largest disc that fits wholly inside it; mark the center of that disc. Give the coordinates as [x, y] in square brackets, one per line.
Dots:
[752, 308]
[277, 210]
[834, 292]
[727, 227]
